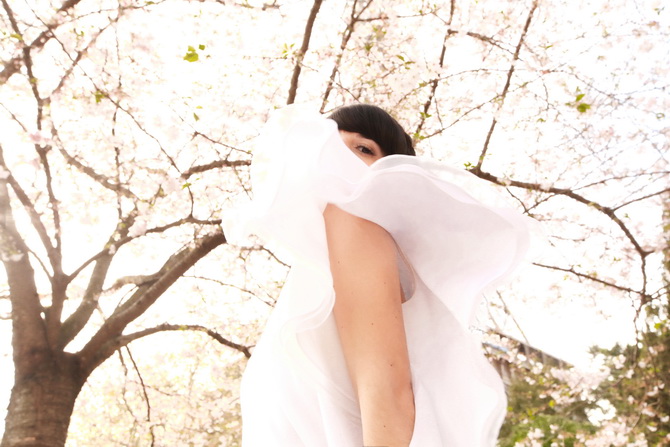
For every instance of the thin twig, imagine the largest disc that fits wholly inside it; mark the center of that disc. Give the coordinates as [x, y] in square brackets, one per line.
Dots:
[572, 271]
[90, 172]
[609, 212]
[653, 194]
[124, 340]
[13, 66]
[508, 312]
[145, 394]
[303, 50]
[508, 81]
[435, 82]
[348, 32]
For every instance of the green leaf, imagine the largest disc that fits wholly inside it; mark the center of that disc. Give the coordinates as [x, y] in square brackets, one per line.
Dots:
[583, 107]
[579, 97]
[201, 47]
[195, 115]
[286, 50]
[16, 36]
[98, 96]
[191, 55]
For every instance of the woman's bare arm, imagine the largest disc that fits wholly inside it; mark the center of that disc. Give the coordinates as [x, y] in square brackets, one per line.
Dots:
[368, 313]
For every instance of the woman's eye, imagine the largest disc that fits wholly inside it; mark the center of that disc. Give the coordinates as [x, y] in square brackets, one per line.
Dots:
[365, 150]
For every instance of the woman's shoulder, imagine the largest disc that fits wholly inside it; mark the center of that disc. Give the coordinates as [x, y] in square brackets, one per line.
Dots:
[351, 234]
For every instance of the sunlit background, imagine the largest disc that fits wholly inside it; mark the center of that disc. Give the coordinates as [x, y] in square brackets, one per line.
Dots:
[146, 114]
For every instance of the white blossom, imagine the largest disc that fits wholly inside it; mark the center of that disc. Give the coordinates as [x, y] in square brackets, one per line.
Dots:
[40, 137]
[138, 228]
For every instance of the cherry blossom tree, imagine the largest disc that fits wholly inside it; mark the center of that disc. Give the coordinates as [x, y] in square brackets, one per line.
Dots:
[127, 136]
[85, 178]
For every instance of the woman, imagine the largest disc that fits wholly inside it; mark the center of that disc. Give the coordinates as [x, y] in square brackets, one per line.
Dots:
[369, 342]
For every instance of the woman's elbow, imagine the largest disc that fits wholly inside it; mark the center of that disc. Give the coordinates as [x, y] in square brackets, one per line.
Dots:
[388, 414]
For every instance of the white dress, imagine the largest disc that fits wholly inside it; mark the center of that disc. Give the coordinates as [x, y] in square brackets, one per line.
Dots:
[296, 390]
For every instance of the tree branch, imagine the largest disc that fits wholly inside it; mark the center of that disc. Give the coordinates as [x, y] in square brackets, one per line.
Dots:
[146, 396]
[269, 302]
[176, 223]
[435, 82]
[638, 199]
[99, 178]
[78, 319]
[634, 174]
[32, 212]
[349, 30]
[460, 118]
[59, 280]
[10, 16]
[13, 66]
[508, 81]
[609, 212]
[80, 54]
[303, 50]
[108, 348]
[124, 340]
[93, 353]
[509, 312]
[217, 142]
[487, 40]
[115, 244]
[572, 271]
[124, 390]
[29, 337]
[214, 165]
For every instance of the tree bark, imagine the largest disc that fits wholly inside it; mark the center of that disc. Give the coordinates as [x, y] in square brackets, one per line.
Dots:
[41, 404]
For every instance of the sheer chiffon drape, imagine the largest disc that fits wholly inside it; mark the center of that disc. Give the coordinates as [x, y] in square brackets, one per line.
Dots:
[296, 390]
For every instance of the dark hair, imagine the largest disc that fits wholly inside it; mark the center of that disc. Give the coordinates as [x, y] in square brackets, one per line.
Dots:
[375, 124]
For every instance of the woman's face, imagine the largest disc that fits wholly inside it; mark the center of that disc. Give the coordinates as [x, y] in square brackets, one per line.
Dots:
[366, 150]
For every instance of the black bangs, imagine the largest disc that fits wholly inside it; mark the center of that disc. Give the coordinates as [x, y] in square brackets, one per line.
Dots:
[375, 124]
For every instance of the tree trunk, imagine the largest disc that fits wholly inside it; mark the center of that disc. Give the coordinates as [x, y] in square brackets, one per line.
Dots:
[41, 404]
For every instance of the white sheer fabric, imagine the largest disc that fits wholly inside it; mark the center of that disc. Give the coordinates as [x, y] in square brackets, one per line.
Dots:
[296, 390]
